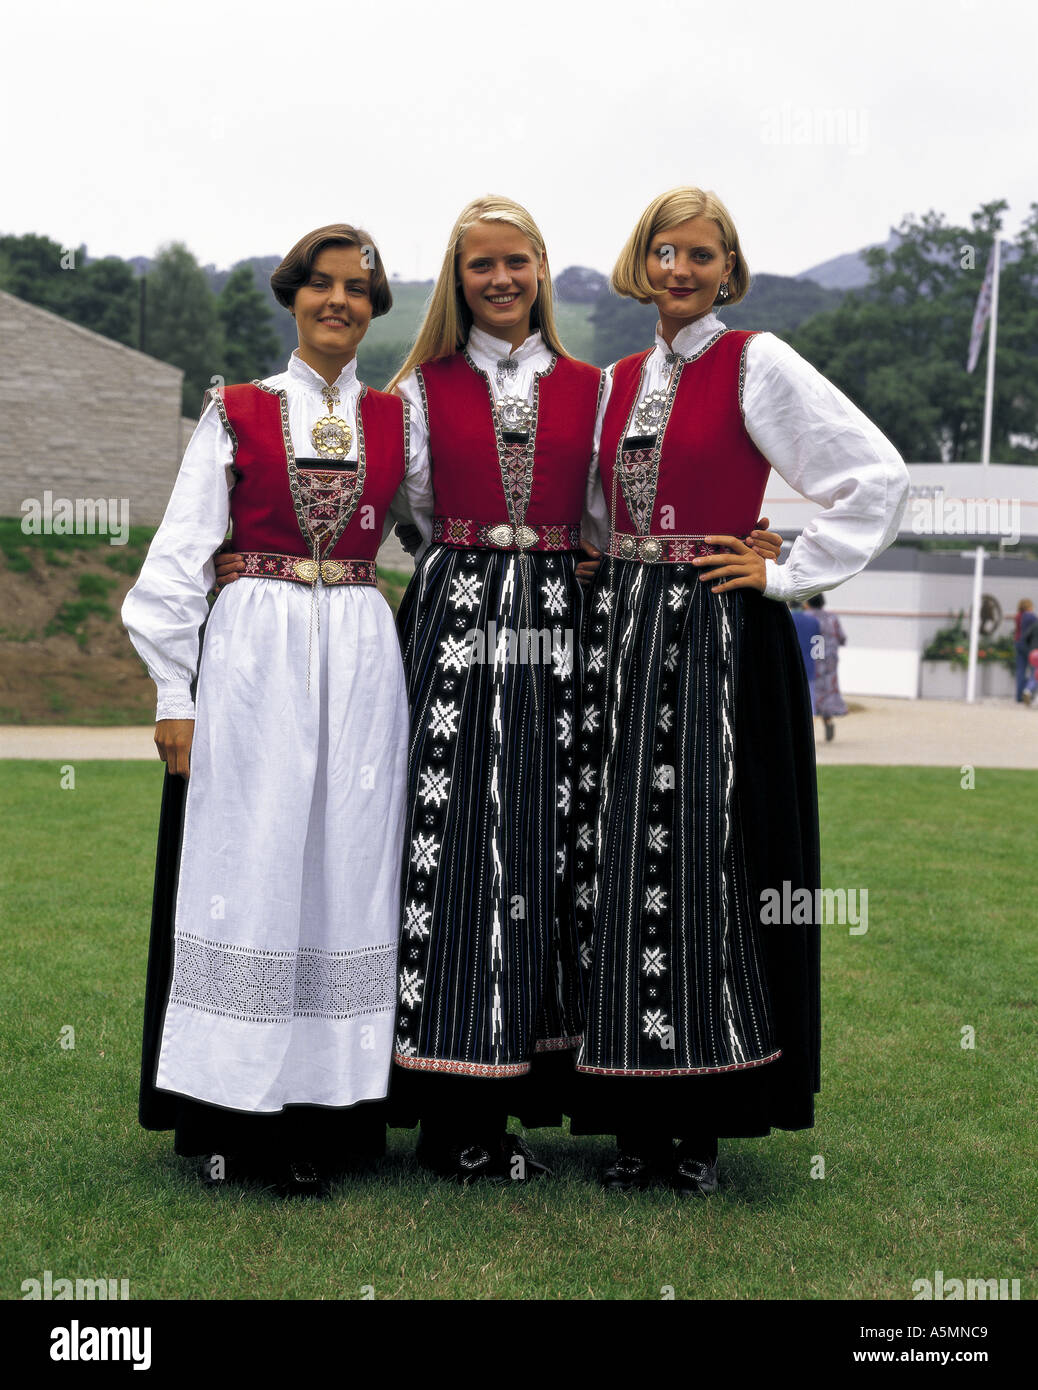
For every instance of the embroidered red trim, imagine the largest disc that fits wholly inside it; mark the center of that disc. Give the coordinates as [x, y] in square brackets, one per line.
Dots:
[460, 1068]
[460, 531]
[661, 550]
[301, 569]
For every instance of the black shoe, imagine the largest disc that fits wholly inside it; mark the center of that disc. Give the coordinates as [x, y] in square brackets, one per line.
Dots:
[694, 1177]
[472, 1163]
[461, 1161]
[519, 1162]
[830, 731]
[300, 1178]
[633, 1172]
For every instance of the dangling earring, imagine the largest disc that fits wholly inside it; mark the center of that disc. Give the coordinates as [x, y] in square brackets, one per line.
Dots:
[723, 291]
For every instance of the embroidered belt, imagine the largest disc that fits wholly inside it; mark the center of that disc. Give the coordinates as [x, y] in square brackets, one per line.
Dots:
[454, 530]
[303, 570]
[661, 550]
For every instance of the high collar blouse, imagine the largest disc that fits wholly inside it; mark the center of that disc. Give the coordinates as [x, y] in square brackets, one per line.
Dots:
[511, 372]
[815, 439]
[488, 353]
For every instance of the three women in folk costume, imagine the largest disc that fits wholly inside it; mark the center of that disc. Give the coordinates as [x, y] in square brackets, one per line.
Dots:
[501, 749]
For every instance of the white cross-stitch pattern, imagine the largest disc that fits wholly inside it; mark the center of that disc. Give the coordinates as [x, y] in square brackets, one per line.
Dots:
[416, 920]
[455, 653]
[655, 900]
[410, 988]
[424, 852]
[444, 720]
[435, 786]
[653, 962]
[654, 1024]
[554, 595]
[657, 838]
[466, 591]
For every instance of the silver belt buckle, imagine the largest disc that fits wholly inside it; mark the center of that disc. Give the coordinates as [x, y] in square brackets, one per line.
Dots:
[650, 549]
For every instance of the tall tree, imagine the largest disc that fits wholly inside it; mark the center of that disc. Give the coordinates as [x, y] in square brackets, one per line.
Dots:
[898, 346]
[182, 323]
[40, 270]
[105, 298]
[251, 345]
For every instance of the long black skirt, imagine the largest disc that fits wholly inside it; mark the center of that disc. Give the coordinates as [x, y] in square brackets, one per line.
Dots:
[490, 983]
[323, 1134]
[697, 794]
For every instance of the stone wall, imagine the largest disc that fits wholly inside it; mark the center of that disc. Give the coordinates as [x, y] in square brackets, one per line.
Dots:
[82, 416]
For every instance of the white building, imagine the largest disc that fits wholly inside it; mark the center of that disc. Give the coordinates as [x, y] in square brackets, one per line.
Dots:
[892, 610]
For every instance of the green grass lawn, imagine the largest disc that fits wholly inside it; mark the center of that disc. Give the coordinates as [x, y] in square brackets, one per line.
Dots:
[928, 1147]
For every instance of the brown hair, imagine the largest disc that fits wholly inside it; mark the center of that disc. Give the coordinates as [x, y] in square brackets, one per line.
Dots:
[297, 267]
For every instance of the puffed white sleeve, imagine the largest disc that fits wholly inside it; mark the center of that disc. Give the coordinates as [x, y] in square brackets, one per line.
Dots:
[166, 607]
[594, 525]
[413, 503]
[832, 454]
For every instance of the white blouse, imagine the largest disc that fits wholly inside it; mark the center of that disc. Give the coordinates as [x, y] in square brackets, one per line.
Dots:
[814, 438]
[166, 607]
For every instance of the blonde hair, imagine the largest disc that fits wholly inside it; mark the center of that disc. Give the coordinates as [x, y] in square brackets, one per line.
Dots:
[448, 318]
[629, 276]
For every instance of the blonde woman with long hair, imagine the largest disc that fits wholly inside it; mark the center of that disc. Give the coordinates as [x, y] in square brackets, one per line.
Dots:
[698, 773]
[489, 970]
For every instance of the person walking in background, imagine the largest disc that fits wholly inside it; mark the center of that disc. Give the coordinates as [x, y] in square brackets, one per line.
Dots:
[1024, 637]
[1031, 687]
[828, 701]
[808, 631]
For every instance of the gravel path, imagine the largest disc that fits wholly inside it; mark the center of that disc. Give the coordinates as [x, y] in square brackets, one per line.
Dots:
[925, 733]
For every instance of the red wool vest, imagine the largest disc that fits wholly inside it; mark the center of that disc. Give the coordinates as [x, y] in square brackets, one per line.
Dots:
[263, 517]
[465, 470]
[711, 474]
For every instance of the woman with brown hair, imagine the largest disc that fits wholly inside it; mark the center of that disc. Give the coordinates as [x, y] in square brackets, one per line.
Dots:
[271, 991]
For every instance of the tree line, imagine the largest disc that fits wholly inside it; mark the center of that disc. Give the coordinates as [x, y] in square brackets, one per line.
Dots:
[897, 346]
[177, 318]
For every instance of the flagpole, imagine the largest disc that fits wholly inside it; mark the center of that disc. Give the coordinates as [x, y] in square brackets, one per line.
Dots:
[978, 585]
[989, 391]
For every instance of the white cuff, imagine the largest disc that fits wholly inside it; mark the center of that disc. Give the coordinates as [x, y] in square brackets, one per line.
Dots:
[779, 584]
[174, 700]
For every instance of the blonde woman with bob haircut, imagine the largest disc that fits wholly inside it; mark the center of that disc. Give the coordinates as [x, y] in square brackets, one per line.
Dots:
[698, 777]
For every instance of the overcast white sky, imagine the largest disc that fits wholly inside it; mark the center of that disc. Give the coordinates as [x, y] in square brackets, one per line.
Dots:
[235, 128]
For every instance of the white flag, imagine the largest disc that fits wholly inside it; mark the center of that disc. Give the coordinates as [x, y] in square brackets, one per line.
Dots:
[981, 313]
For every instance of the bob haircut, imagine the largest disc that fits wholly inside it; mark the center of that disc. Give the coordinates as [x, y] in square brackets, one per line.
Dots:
[448, 318]
[295, 270]
[629, 276]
